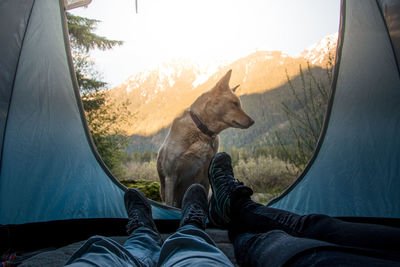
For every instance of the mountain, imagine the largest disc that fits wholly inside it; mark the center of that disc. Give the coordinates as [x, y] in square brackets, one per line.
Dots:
[321, 51]
[157, 96]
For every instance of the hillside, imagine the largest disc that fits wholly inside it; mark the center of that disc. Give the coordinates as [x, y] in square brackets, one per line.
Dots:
[157, 96]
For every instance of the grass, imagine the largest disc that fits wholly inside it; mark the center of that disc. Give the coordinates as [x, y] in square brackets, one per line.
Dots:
[267, 176]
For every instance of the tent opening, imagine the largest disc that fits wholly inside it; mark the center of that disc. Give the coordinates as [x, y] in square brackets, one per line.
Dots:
[281, 55]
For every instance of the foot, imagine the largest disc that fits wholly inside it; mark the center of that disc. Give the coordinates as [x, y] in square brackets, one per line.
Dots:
[224, 188]
[139, 211]
[194, 207]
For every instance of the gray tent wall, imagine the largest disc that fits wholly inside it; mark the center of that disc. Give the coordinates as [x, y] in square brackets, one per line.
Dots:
[50, 169]
[356, 168]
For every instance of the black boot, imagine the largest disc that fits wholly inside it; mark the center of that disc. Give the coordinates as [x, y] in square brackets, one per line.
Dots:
[139, 211]
[225, 188]
[194, 207]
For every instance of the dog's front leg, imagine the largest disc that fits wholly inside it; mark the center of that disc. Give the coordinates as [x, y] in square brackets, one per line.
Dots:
[170, 189]
[189, 171]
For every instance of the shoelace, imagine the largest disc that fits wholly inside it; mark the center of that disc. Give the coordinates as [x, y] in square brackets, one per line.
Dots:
[196, 213]
[133, 220]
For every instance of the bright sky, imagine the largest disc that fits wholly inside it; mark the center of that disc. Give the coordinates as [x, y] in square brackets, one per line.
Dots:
[205, 31]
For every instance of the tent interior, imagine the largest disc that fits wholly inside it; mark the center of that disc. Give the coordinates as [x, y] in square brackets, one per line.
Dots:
[55, 189]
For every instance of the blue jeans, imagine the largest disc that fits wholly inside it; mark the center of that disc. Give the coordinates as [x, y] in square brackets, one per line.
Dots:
[188, 246]
[265, 236]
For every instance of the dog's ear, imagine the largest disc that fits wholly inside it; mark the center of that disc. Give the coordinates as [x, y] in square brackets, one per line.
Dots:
[234, 88]
[224, 82]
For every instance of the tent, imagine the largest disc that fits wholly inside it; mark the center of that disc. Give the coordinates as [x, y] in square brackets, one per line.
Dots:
[54, 187]
[51, 173]
[355, 170]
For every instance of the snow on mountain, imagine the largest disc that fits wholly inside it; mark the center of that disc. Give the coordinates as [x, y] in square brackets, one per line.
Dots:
[165, 77]
[135, 81]
[318, 53]
[167, 74]
[203, 73]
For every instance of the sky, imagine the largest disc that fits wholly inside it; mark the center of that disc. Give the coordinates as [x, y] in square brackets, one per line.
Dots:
[204, 31]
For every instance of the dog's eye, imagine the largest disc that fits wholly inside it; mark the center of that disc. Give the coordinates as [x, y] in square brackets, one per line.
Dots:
[236, 104]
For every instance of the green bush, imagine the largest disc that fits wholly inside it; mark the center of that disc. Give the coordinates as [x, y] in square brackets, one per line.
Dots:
[150, 189]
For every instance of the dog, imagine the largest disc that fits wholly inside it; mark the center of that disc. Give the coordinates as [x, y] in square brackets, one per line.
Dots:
[192, 141]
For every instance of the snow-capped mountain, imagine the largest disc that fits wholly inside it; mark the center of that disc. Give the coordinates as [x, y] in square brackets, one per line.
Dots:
[163, 88]
[157, 96]
[319, 52]
[169, 72]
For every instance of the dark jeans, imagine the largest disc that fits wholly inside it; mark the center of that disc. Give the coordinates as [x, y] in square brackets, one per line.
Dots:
[265, 236]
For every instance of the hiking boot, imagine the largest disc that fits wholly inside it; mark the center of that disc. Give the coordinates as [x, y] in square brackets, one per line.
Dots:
[139, 211]
[224, 188]
[194, 206]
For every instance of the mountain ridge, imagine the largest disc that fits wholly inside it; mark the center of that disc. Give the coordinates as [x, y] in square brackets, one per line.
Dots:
[157, 96]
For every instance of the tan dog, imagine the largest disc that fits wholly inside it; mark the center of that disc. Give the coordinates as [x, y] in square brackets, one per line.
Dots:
[193, 140]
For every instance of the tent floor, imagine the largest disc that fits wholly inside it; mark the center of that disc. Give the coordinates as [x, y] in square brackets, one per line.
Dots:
[57, 257]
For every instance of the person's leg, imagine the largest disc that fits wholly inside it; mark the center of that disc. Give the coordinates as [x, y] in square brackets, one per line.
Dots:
[330, 257]
[142, 248]
[231, 202]
[278, 248]
[273, 248]
[144, 241]
[102, 251]
[257, 218]
[191, 245]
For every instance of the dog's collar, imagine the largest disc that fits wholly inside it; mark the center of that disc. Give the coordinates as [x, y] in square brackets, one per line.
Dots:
[202, 127]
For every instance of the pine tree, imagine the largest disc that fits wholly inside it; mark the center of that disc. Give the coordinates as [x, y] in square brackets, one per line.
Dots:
[101, 116]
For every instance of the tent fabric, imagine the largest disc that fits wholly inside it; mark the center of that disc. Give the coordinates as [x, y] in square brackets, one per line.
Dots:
[49, 167]
[52, 176]
[355, 171]
[13, 33]
[391, 10]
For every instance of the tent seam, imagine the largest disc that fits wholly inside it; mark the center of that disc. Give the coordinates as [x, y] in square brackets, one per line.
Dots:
[12, 87]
